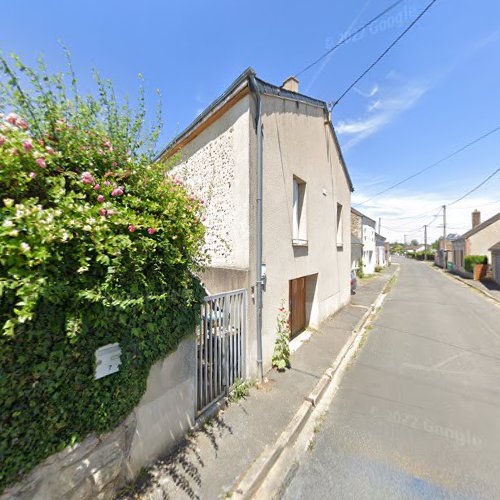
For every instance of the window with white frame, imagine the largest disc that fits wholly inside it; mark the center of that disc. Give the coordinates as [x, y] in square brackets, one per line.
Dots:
[340, 226]
[299, 212]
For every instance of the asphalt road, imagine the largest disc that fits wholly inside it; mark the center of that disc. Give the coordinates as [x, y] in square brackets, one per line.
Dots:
[418, 412]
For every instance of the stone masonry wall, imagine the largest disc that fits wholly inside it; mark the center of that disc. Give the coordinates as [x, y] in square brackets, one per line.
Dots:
[209, 173]
[94, 468]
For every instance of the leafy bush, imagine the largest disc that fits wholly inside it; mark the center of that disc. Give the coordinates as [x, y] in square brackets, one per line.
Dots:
[471, 260]
[98, 244]
[421, 255]
[378, 269]
[281, 354]
[361, 269]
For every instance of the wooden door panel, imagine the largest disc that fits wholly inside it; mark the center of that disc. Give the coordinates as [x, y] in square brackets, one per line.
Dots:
[297, 305]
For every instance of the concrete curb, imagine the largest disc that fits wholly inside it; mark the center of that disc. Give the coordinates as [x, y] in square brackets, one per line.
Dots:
[461, 280]
[250, 482]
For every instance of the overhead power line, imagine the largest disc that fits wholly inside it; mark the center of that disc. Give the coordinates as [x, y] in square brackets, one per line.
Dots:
[432, 165]
[381, 56]
[482, 183]
[476, 188]
[347, 38]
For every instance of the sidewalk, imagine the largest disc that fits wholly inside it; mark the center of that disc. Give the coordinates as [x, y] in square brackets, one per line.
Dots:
[208, 464]
[489, 288]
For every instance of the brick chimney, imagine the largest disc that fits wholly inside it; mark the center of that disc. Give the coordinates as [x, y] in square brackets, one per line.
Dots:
[476, 218]
[291, 84]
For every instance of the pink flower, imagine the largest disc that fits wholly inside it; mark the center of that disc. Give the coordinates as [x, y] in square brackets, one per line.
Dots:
[2, 139]
[107, 183]
[87, 178]
[96, 187]
[12, 118]
[131, 228]
[41, 162]
[50, 150]
[32, 175]
[27, 145]
[117, 191]
[115, 164]
[100, 198]
[202, 202]
[151, 231]
[103, 211]
[22, 124]
[14, 152]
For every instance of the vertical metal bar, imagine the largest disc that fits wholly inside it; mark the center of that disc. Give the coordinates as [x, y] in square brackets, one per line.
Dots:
[219, 340]
[244, 333]
[226, 346]
[198, 360]
[238, 333]
[211, 366]
[203, 356]
[207, 341]
[230, 339]
[215, 366]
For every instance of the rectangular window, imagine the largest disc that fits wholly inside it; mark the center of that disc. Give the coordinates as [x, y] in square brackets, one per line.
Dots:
[340, 226]
[299, 212]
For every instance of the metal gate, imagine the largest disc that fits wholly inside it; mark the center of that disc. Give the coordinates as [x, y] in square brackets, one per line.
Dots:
[220, 346]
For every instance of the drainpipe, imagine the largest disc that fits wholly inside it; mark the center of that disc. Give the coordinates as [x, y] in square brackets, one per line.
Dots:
[255, 89]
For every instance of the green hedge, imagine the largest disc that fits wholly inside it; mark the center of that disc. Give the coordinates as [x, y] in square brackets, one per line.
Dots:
[471, 260]
[421, 255]
[98, 244]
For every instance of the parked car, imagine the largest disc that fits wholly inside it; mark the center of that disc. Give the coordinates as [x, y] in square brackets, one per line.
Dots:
[354, 281]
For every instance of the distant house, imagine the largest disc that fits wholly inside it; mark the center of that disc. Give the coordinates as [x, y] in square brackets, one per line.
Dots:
[368, 256]
[495, 261]
[477, 241]
[444, 252]
[257, 130]
[356, 239]
[380, 260]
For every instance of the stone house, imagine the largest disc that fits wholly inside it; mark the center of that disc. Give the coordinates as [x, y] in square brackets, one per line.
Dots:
[356, 238]
[476, 241]
[365, 230]
[278, 201]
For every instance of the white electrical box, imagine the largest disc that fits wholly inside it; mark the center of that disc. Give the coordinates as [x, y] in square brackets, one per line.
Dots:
[107, 360]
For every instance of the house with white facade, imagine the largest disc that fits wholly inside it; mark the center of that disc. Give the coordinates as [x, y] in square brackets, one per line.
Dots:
[369, 257]
[278, 200]
[381, 258]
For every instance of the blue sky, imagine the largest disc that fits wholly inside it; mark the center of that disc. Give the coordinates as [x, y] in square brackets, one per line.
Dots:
[437, 90]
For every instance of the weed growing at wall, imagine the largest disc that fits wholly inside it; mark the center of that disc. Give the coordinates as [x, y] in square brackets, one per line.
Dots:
[281, 354]
[98, 244]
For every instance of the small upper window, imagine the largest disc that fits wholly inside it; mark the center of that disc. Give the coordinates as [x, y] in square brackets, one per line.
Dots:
[299, 212]
[340, 226]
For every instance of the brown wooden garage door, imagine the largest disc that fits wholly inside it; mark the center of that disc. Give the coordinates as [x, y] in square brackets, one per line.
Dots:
[297, 305]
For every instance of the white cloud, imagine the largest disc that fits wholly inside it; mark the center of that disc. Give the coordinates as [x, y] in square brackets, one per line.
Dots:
[370, 93]
[386, 108]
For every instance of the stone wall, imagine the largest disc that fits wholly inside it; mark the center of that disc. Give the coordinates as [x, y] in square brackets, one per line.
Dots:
[98, 466]
[214, 165]
[94, 468]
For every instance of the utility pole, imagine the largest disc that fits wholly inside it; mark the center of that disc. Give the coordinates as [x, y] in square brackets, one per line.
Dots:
[444, 237]
[425, 241]
[379, 225]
